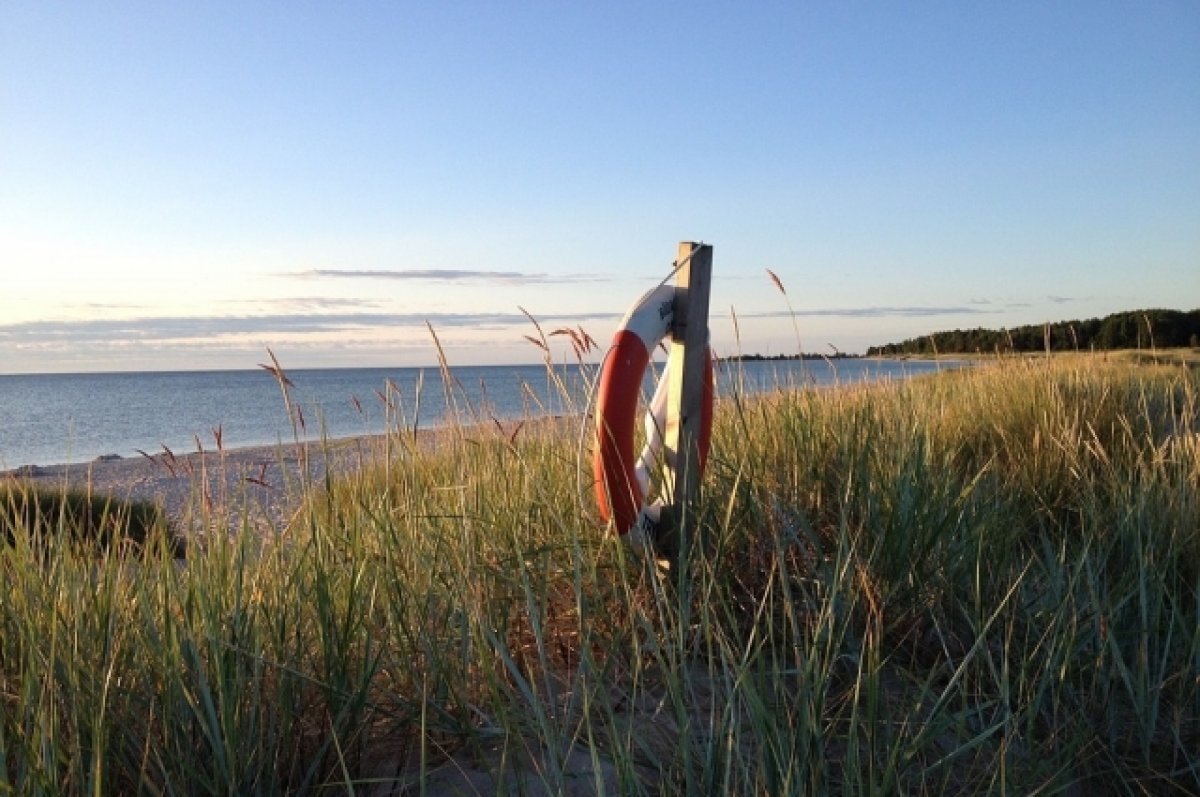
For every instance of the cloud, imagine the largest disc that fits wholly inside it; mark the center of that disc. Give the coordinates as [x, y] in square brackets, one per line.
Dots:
[447, 275]
[1060, 299]
[316, 316]
[306, 304]
[155, 328]
[874, 312]
[108, 306]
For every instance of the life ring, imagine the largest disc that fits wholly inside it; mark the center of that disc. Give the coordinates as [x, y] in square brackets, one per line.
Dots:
[621, 481]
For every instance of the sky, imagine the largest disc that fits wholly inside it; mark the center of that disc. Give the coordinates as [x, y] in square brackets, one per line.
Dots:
[183, 186]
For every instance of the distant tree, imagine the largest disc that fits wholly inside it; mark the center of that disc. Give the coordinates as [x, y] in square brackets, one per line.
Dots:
[1125, 330]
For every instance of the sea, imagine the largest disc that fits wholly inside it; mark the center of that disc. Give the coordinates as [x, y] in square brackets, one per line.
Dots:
[48, 419]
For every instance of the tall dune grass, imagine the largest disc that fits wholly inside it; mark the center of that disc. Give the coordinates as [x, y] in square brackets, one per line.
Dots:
[987, 581]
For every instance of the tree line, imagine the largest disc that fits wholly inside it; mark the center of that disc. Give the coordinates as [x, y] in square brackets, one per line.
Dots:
[808, 355]
[1134, 329]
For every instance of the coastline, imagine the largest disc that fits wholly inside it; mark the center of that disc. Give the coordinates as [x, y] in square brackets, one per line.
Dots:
[261, 485]
[265, 483]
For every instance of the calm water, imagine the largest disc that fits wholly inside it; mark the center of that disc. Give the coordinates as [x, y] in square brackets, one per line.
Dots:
[54, 418]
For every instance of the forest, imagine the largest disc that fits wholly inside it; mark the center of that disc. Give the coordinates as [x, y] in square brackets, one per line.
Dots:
[1134, 329]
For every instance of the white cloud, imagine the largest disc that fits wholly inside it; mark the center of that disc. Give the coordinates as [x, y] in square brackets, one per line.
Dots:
[447, 275]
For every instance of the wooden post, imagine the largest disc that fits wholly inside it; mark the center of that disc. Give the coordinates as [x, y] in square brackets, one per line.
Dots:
[685, 399]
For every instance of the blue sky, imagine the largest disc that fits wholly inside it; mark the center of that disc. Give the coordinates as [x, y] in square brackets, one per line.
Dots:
[182, 187]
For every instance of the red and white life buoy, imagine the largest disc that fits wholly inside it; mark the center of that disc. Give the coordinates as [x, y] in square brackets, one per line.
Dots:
[621, 481]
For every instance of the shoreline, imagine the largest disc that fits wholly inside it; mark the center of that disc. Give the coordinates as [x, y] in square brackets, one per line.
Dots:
[261, 484]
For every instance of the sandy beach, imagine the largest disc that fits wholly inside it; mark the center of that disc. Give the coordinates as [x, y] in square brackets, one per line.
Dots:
[260, 483]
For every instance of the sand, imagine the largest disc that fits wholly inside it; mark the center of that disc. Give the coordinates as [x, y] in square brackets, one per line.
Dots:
[262, 484]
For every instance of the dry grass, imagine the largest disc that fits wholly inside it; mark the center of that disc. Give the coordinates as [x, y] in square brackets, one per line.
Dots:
[980, 582]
